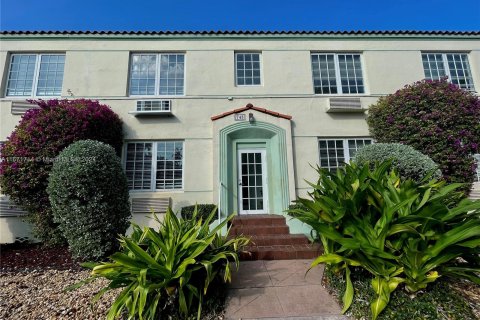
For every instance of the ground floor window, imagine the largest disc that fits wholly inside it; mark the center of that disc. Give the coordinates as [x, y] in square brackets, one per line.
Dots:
[154, 165]
[477, 172]
[334, 152]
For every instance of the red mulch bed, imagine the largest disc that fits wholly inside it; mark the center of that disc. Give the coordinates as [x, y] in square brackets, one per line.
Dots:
[17, 257]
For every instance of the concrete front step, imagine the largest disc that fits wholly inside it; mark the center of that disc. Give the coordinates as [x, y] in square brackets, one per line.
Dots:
[282, 252]
[474, 195]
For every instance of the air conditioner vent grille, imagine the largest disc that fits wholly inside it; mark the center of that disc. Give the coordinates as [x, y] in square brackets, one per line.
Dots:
[9, 209]
[20, 107]
[345, 104]
[146, 205]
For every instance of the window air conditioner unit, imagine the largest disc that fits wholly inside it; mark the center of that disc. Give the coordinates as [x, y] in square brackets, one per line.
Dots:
[153, 108]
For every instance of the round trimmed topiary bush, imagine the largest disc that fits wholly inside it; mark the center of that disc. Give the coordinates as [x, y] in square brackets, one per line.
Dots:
[41, 135]
[436, 118]
[409, 162]
[88, 192]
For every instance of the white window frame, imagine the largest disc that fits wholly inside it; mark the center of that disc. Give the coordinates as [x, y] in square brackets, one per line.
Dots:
[260, 61]
[446, 67]
[158, 56]
[153, 177]
[338, 78]
[346, 150]
[477, 171]
[36, 73]
[2, 143]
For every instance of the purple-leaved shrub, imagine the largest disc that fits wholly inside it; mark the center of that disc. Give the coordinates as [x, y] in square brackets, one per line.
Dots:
[29, 153]
[436, 118]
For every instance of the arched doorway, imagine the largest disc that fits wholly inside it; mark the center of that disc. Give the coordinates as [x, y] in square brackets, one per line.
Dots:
[253, 169]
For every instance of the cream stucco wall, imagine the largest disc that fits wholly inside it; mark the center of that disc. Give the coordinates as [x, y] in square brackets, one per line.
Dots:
[98, 69]
[96, 73]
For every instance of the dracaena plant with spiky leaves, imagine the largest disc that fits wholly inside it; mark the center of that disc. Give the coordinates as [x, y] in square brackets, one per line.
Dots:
[174, 264]
[401, 231]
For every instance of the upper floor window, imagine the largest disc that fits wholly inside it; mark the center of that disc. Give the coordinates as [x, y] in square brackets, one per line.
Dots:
[154, 166]
[35, 75]
[247, 69]
[157, 74]
[335, 73]
[335, 152]
[455, 66]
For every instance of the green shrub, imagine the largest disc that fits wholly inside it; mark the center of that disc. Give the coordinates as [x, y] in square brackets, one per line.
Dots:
[171, 266]
[436, 118]
[400, 231]
[41, 135]
[409, 162]
[203, 211]
[296, 206]
[89, 197]
[438, 301]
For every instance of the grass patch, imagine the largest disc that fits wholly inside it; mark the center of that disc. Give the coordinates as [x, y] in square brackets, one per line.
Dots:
[438, 301]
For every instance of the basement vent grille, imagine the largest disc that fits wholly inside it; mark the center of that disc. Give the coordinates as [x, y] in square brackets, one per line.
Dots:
[345, 105]
[146, 205]
[20, 107]
[8, 209]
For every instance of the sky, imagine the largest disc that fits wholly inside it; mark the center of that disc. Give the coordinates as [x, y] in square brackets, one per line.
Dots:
[459, 15]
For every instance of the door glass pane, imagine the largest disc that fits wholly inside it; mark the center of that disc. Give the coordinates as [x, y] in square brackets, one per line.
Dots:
[244, 158]
[251, 192]
[259, 192]
[244, 180]
[259, 204]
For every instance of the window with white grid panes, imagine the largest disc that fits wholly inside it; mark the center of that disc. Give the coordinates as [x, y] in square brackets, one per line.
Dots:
[455, 66]
[169, 169]
[157, 74]
[477, 171]
[154, 165]
[335, 73]
[334, 153]
[138, 165]
[248, 69]
[35, 75]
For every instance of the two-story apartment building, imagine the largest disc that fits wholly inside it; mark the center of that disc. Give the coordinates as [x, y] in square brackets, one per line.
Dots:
[231, 118]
